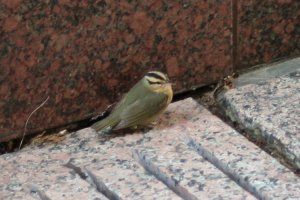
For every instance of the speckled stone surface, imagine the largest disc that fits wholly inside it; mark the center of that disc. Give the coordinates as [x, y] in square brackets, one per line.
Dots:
[267, 30]
[269, 109]
[85, 54]
[31, 174]
[246, 163]
[171, 155]
[112, 162]
[276, 69]
[231, 152]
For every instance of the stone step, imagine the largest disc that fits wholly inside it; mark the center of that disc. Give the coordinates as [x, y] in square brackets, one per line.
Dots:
[243, 161]
[112, 165]
[39, 174]
[189, 154]
[170, 156]
[265, 102]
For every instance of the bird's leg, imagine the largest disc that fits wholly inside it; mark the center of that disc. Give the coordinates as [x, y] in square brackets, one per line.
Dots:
[144, 127]
[141, 127]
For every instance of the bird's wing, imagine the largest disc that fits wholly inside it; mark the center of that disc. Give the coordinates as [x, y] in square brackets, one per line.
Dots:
[142, 109]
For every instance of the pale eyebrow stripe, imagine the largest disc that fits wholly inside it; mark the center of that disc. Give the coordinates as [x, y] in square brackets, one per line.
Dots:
[152, 81]
[156, 75]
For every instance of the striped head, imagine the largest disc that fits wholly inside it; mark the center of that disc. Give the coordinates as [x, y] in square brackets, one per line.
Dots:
[157, 81]
[156, 78]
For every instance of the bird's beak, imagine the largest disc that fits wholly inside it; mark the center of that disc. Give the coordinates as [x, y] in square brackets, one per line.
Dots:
[170, 84]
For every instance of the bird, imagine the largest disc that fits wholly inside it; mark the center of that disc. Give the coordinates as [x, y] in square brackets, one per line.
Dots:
[144, 102]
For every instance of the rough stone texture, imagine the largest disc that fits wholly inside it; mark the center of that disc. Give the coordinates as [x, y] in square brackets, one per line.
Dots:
[113, 163]
[267, 30]
[85, 54]
[273, 70]
[79, 52]
[250, 166]
[27, 173]
[269, 109]
[173, 157]
[172, 150]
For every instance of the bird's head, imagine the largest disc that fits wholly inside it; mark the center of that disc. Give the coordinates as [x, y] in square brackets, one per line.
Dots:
[157, 81]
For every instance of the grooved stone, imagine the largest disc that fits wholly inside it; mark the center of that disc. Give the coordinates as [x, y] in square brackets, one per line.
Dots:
[267, 105]
[168, 151]
[111, 160]
[27, 171]
[113, 164]
[259, 171]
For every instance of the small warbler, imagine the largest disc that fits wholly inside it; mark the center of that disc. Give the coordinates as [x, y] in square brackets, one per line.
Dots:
[141, 105]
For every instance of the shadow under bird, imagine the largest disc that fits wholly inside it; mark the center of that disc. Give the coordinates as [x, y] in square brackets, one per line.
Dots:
[141, 105]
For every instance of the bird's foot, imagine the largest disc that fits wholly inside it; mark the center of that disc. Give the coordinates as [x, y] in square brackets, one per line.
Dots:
[146, 128]
[106, 131]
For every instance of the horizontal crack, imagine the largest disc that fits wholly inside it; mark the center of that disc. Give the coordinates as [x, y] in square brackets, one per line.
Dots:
[210, 157]
[168, 181]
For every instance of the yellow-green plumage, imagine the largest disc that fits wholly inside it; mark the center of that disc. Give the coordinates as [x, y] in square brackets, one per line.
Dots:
[147, 99]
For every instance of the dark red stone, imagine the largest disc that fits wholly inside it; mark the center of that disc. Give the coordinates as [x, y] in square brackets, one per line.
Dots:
[267, 31]
[85, 54]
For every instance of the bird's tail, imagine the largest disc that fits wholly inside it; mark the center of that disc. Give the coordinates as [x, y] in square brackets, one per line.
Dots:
[108, 122]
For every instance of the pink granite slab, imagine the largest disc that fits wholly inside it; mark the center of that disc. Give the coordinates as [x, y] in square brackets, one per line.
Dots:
[34, 174]
[240, 159]
[269, 109]
[112, 164]
[201, 179]
[168, 151]
[166, 162]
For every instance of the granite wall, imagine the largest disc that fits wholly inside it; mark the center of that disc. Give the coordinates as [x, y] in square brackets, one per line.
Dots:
[267, 31]
[85, 54]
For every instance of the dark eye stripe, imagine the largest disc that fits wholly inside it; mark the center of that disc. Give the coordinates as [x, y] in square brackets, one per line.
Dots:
[155, 75]
[153, 82]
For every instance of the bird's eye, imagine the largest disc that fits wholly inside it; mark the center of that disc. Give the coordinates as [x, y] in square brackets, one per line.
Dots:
[154, 82]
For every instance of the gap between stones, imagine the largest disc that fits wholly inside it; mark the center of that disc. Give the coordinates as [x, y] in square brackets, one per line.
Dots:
[268, 143]
[12, 145]
[93, 180]
[210, 157]
[208, 99]
[166, 180]
[35, 191]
